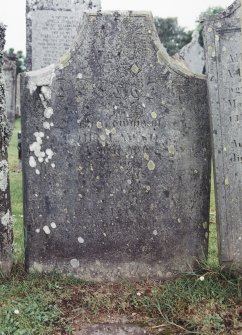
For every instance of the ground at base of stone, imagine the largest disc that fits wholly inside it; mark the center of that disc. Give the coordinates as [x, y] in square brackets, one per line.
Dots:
[112, 329]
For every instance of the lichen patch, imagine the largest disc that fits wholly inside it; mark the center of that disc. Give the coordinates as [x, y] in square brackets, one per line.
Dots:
[3, 175]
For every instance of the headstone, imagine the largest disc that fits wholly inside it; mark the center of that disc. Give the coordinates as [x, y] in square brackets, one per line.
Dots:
[18, 109]
[9, 75]
[5, 215]
[192, 55]
[52, 27]
[112, 329]
[222, 34]
[116, 156]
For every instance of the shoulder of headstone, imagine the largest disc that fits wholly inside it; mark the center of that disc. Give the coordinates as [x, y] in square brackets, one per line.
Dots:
[226, 13]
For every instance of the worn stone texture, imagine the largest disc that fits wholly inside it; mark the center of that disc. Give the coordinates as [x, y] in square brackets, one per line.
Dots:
[222, 35]
[112, 329]
[6, 237]
[51, 26]
[116, 156]
[10, 81]
[192, 55]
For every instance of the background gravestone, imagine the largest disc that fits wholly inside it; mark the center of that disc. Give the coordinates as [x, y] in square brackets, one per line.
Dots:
[51, 26]
[5, 216]
[192, 55]
[116, 156]
[10, 78]
[222, 35]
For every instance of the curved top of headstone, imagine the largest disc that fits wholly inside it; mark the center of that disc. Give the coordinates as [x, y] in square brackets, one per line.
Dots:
[226, 13]
[58, 4]
[86, 32]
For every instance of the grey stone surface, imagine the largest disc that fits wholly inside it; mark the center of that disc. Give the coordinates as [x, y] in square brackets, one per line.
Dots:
[51, 26]
[18, 107]
[5, 213]
[112, 329]
[223, 56]
[192, 55]
[10, 78]
[116, 156]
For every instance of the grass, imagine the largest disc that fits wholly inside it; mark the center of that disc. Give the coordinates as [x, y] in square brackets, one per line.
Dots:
[16, 193]
[204, 302]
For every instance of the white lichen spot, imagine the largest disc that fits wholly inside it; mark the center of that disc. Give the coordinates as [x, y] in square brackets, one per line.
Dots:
[79, 76]
[146, 156]
[179, 220]
[115, 107]
[225, 149]
[129, 181]
[99, 125]
[46, 125]
[48, 112]
[135, 69]
[154, 115]
[37, 231]
[210, 29]
[49, 153]
[37, 172]
[151, 165]
[143, 105]
[147, 188]
[172, 150]
[97, 178]
[81, 240]
[3, 175]
[104, 234]
[206, 235]
[53, 165]
[226, 181]
[6, 220]
[240, 238]
[102, 137]
[52, 124]
[53, 225]
[155, 232]
[75, 263]
[39, 134]
[205, 225]
[46, 229]
[217, 38]
[32, 162]
[41, 159]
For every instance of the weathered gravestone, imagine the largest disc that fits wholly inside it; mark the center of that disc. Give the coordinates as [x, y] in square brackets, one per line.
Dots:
[115, 156]
[51, 26]
[222, 34]
[10, 78]
[5, 216]
[192, 55]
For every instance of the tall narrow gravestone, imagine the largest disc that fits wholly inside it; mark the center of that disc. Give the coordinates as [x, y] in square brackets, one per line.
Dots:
[222, 34]
[10, 81]
[192, 55]
[5, 216]
[51, 26]
[115, 156]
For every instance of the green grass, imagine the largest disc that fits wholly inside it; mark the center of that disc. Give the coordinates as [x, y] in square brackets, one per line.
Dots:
[205, 302]
[16, 194]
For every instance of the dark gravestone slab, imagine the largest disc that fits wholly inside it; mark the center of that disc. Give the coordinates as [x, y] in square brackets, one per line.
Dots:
[112, 329]
[116, 156]
[222, 34]
[6, 236]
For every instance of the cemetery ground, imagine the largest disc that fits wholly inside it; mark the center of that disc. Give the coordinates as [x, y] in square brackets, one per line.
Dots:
[207, 301]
